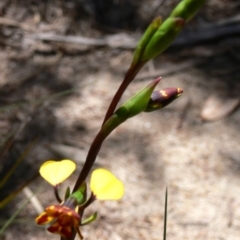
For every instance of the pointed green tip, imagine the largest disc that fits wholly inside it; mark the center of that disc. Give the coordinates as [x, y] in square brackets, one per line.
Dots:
[89, 219]
[138, 102]
[152, 28]
[187, 9]
[162, 38]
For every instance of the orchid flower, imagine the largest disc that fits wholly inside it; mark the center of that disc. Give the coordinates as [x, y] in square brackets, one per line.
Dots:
[66, 216]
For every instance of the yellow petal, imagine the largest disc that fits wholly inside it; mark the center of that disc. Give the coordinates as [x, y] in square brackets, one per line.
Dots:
[44, 218]
[56, 172]
[105, 185]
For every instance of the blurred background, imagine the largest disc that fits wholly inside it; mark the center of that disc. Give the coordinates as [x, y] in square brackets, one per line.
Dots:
[61, 63]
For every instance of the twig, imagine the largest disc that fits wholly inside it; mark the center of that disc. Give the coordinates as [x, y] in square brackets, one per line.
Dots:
[127, 41]
[121, 40]
[68, 39]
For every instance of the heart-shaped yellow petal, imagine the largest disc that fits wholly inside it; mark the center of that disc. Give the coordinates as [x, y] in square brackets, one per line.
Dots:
[105, 185]
[56, 172]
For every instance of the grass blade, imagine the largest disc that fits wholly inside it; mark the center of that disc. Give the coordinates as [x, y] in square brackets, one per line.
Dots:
[165, 216]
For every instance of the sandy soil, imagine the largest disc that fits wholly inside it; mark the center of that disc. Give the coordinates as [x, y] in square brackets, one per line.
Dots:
[198, 161]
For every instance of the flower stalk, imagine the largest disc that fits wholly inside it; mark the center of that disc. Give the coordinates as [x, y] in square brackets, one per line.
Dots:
[66, 217]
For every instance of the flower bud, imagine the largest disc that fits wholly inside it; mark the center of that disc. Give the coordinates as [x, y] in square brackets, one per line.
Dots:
[153, 27]
[135, 105]
[162, 38]
[160, 99]
[159, 36]
[138, 102]
[186, 9]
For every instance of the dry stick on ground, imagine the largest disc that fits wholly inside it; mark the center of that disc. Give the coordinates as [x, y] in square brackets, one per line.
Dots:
[122, 40]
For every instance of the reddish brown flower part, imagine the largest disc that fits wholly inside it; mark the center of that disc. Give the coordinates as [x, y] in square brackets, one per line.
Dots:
[64, 219]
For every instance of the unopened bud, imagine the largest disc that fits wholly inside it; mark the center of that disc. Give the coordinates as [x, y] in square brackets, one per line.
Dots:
[186, 9]
[152, 28]
[162, 38]
[133, 106]
[160, 99]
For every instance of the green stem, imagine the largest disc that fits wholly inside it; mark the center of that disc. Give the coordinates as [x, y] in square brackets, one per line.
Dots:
[131, 73]
[91, 157]
[97, 143]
